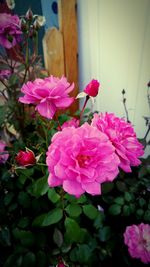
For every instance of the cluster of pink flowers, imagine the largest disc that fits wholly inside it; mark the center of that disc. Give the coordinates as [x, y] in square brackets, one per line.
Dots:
[3, 153]
[48, 95]
[10, 30]
[81, 158]
[137, 238]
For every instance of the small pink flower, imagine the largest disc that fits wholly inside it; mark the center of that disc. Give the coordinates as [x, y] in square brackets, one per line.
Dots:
[123, 138]
[81, 159]
[92, 88]
[71, 123]
[25, 158]
[49, 95]
[3, 153]
[137, 238]
[10, 31]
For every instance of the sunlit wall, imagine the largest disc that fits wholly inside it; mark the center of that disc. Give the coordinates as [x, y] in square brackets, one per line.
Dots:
[114, 47]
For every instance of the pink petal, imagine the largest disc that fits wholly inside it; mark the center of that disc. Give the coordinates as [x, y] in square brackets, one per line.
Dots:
[46, 109]
[73, 188]
[53, 180]
[92, 188]
[63, 102]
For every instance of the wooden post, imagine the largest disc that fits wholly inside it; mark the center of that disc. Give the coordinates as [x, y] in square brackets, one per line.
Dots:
[53, 52]
[68, 27]
[61, 47]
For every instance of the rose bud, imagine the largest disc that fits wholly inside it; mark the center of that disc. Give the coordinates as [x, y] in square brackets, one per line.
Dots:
[25, 158]
[92, 88]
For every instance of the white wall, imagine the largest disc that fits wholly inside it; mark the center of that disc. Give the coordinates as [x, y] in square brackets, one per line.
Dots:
[114, 47]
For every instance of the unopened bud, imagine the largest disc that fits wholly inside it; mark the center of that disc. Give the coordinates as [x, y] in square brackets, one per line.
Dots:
[23, 25]
[29, 14]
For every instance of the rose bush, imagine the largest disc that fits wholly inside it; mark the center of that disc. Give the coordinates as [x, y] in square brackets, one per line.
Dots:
[74, 188]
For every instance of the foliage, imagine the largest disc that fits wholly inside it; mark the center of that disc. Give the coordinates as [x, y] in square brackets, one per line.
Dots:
[43, 226]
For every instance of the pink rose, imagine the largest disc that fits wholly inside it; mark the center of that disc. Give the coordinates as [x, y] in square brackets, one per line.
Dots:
[25, 158]
[9, 30]
[137, 238]
[123, 138]
[81, 159]
[92, 88]
[3, 153]
[49, 95]
[71, 123]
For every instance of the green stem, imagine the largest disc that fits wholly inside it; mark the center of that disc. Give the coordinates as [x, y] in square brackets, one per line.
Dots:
[82, 111]
[41, 164]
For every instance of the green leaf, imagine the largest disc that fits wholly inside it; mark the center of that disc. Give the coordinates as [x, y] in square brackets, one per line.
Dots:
[41, 240]
[25, 237]
[29, 260]
[65, 247]
[40, 259]
[58, 237]
[12, 207]
[128, 196]
[105, 233]
[14, 260]
[142, 202]
[8, 198]
[115, 209]
[107, 187]
[23, 222]
[5, 236]
[2, 114]
[126, 210]
[40, 187]
[98, 222]
[142, 172]
[90, 211]
[132, 207]
[147, 216]
[24, 199]
[82, 199]
[73, 210]
[119, 200]
[139, 213]
[121, 186]
[53, 196]
[72, 229]
[81, 254]
[52, 217]
[70, 198]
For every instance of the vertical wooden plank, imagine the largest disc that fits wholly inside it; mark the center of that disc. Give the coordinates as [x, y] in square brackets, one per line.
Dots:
[68, 27]
[53, 52]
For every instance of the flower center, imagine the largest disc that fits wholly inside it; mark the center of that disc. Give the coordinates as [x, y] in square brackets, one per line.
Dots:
[83, 160]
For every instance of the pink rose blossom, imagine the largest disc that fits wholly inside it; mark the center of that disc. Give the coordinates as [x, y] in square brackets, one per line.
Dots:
[92, 88]
[3, 153]
[49, 95]
[71, 123]
[80, 159]
[123, 138]
[137, 238]
[25, 158]
[9, 30]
